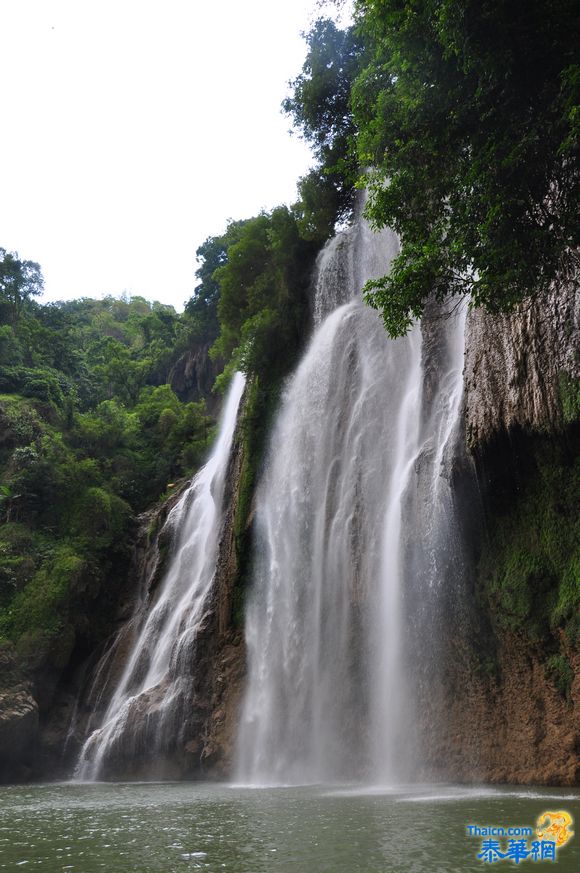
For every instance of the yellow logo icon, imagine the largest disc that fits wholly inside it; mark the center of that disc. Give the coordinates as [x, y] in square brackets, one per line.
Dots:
[555, 826]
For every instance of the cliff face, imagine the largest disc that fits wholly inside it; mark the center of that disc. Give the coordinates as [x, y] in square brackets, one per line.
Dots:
[519, 368]
[507, 701]
[502, 704]
[226, 664]
[39, 678]
[82, 699]
[193, 375]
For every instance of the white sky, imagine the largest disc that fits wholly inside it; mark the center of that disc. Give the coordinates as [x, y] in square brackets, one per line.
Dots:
[132, 130]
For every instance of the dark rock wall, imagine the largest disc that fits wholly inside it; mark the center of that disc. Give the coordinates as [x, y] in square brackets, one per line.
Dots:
[18, 720]
[514, 726]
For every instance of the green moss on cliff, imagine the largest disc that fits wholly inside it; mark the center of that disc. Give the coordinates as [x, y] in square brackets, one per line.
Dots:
[259, 408]
[569, 397]
[530, 561]
[559, 671]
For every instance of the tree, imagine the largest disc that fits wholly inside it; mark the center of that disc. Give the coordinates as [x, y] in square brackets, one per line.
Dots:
[469, 113]
[201, 310]
[263, 281]
[19, 282]
[320, 107]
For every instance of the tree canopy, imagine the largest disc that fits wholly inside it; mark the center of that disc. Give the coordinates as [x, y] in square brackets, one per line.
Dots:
[90, 434]
[469, 114]
[19, 282]
[255, 277]
[319, 105]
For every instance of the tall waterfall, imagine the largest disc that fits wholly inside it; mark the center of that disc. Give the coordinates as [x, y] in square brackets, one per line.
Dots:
[149, 706]
[354, 515]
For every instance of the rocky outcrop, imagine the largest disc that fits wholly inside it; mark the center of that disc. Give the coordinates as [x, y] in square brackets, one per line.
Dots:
[193, 375]
[516, 366]
[18, 721]
[221, 728]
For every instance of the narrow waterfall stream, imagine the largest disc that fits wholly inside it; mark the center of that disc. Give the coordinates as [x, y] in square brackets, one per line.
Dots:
[354, 511]
[149, 706]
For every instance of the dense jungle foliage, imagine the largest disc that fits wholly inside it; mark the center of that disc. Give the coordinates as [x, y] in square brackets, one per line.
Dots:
[90, 434]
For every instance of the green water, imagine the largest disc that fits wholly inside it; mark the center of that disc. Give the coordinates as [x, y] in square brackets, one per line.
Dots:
[170, 828]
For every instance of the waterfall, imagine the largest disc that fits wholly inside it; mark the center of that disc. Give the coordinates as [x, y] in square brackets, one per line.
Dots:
[354, 516]
[149, 707]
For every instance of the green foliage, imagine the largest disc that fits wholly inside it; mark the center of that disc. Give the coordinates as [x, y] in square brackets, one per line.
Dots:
[320, 107]
[45, 384]
[559, 670]
[40, 604]
[139, 451]
[569, 397]
[19, 282]
[263, 294]
[531, 560]
[469, 114]
[19, 551]
[10, 347]
[202, 309]
[567, 608]
[90, 434]
[100, 517]
[174, 436]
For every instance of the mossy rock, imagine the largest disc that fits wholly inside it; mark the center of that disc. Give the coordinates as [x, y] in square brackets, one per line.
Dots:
[530, 562]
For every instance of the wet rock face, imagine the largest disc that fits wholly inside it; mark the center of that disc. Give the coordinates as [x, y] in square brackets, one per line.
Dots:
[515, 364]
[18, 721]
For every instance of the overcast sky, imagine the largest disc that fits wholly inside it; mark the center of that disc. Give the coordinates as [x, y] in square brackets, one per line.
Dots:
[132, 130]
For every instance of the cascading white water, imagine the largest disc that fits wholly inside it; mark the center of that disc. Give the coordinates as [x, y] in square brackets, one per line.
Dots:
[350, 504]
[147, 709]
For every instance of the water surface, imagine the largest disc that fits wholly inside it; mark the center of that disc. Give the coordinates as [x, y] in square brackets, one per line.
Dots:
[171, 828]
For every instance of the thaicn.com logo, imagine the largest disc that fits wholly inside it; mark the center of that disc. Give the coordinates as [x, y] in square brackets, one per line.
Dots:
[517, 844]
